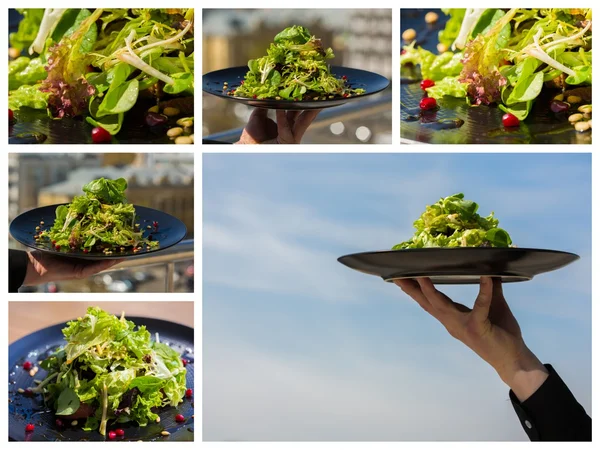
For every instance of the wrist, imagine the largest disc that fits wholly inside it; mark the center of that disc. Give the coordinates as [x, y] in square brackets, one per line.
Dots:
[524, 375]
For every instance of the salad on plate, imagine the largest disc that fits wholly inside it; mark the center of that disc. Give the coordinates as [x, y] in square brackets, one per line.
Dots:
[99, 63]
[508, 57]
[295, 69]
[101, 220]
[454, 222]
[110, 372]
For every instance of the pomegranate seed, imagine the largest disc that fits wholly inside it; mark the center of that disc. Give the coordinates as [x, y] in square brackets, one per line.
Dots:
[558, 106]
[27, 365]
[155, 119]
[242, 82]
[59, 423]
[184, 362]
[344, 77]
[233, 92]
[112, 435]
[28, 393]
[57, 247]
[189, 393]
[510, 120]
[427, 84]
[155, 224]
[179, 418]
[100, 135]
[427, 103]
[29, 427]
[53, 242]
[402, 52]
[254, 96]
[11, 116]
[85, 250]
[120, 432]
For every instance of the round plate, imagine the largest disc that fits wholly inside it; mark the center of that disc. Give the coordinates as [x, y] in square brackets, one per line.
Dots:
[482, 124]
[34, 347]
[372, 83]
[463, 265]
[171, 230]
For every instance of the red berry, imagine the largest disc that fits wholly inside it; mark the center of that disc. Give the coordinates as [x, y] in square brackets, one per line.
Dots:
[59, 423]
[427, 103]
[28, 392]
[189, 393]
[11, 116]
[100, 135]
[184, 362]
[29, 427]
[427, 84]
[510, 120]
[179, 418]
[120, 432]
[112, 435]
[27, 365]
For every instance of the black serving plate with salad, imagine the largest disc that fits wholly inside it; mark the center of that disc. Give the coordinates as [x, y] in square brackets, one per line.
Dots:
[162, 227]
[458, 265]
[456, 122]
[23, 409]
[214, 83]
[121, 107]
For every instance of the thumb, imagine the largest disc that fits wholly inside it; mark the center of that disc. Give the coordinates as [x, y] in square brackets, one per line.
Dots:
[481, 308]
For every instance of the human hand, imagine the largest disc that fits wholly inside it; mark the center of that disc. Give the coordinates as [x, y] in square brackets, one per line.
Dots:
[43, 268]
[289, 129]
[489, 329]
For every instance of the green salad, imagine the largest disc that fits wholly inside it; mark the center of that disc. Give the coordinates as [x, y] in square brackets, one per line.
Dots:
[110, 372]
[508, 57]
[454, 222]
[295, 68]
[99, 220]
[97, 63]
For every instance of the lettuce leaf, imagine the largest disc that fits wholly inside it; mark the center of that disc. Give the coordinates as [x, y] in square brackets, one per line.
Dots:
[28, 28]
[24, 70]
[29, 96]
[452, 27]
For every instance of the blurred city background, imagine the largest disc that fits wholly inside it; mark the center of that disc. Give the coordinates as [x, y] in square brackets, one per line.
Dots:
[360, 39]
[160, 181]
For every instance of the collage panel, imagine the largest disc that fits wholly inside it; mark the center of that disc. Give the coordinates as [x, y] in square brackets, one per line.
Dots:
[397, 297]
[291, 76]
[496, 76]
[101, 222]
[95, 371]
[101, 76]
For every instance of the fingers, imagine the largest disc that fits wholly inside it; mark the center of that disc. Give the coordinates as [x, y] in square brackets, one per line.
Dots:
[413, 290]
[292, 116]
[303, 121]
[481, 308]
[258, 113]
[96, 267]
[284, 128]
[438, 300]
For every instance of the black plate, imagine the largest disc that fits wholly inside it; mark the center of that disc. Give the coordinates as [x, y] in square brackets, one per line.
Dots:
[171, 230]
[23, 410]
[371, 82]
[463, 265]
[482, 124]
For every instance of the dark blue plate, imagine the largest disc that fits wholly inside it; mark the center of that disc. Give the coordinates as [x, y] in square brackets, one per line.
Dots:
[372, 83]
[36, 346]
[464, 265]
[171, 230]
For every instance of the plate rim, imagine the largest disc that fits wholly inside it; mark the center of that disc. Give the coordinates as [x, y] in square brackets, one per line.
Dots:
[94, 256]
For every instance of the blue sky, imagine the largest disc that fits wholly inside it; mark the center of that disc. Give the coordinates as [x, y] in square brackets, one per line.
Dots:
[298, 347]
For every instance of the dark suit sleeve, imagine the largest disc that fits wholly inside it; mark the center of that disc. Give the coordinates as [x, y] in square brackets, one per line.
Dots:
[17, 268]
[552, 413]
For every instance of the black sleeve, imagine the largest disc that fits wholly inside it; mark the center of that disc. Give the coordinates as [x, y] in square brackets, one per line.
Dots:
[17, 268]
[552, 413]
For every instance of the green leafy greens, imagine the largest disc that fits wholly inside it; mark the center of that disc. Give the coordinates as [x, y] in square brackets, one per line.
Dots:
[113, 371]
[508, 57]
[100, 220]
[97, 62]
[295, 68]
[454, 222]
